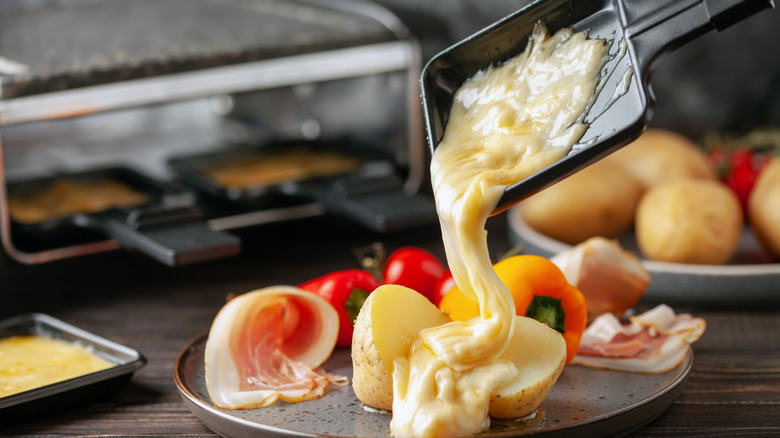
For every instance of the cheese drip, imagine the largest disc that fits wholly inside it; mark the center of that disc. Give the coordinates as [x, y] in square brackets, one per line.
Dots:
[506, 123]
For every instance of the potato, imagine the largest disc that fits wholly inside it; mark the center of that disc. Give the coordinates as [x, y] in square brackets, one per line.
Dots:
[539, 353]
[389, 321]
[689, 221]
[660, 156]
[764, 207]
[599, 200]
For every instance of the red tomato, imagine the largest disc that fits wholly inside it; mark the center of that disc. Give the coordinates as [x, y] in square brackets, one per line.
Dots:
[744, 167]
[443, 285]
[414, 268]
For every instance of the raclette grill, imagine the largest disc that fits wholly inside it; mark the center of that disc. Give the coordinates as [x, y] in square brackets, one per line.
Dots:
[108, 57]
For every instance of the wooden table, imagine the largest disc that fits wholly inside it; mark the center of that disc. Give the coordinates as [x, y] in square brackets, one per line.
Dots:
[733, 389]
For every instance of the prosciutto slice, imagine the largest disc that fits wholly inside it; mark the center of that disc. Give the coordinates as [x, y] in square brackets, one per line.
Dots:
[267, 345]
[653, 342]
[610, 278]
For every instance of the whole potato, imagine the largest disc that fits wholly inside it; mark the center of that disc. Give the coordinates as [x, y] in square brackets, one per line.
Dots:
[658, 156]
[764, 207]
[599, 200]
[689, 221]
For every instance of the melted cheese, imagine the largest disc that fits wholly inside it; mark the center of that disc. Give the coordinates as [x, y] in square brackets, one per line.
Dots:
[506, 123]
[28, 362]
[275, 168]
[66, 198]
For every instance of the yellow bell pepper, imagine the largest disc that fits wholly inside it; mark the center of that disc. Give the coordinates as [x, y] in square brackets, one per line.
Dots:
[539, 290]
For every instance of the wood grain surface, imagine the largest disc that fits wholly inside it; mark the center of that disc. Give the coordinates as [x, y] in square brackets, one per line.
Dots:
[733, 388]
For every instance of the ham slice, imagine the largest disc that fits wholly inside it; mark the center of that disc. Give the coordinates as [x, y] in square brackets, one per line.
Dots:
[611, 279]
[267, 345]
[653, 342]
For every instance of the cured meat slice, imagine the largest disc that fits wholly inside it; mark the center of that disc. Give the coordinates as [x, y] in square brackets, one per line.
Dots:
[653, 342]
[267, 345]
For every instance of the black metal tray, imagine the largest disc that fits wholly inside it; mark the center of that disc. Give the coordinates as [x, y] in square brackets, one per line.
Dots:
[155, 190]
[371, 195]
[167, 227]
[639, 32]
[192, 169]
[69, 393]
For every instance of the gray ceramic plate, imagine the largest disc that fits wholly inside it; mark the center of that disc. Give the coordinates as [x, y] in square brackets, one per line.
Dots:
[584, 402]
[751, 278]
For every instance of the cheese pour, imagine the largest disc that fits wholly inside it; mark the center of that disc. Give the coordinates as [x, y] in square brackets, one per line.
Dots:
[506, 123]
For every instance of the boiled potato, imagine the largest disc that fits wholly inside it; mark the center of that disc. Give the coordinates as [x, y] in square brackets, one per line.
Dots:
[764, 207]
[689, 221]
[539, 353]
[599, 200]
[387, 326]
[389, 321]
[659, 156]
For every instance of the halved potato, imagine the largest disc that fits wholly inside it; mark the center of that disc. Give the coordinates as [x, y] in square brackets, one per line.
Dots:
[539, 353]
[389, 321]
[392, 318]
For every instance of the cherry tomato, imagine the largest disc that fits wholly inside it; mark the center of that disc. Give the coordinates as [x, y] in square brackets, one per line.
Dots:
[414, 268]
[443, 285]
[744, 167]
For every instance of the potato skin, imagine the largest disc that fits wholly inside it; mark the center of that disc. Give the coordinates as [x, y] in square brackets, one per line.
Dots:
[599, 200]
[764, 207]
[689, 221]
[372, 383]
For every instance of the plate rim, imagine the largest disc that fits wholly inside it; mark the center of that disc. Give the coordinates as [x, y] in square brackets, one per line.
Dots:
[664, 397]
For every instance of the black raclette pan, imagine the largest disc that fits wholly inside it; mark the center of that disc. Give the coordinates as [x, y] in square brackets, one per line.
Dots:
[193, 170]
[620, 114]
[167, 226]
[35, 403]
[370, 194]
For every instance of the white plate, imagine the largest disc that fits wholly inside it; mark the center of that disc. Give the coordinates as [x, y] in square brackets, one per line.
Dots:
[750, 280]
[584, 402]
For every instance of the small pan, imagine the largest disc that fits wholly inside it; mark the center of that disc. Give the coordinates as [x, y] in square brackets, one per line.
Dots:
[621, 112]
[369, 193]
[165, 225]
[197, 170]
[55, 397]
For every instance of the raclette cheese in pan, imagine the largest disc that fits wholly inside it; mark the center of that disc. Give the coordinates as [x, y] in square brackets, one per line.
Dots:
[69, 197]
[32, 361]
[268, 169]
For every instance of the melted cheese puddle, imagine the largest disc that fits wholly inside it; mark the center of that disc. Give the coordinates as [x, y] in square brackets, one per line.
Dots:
[506, 123]
[28, 362]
